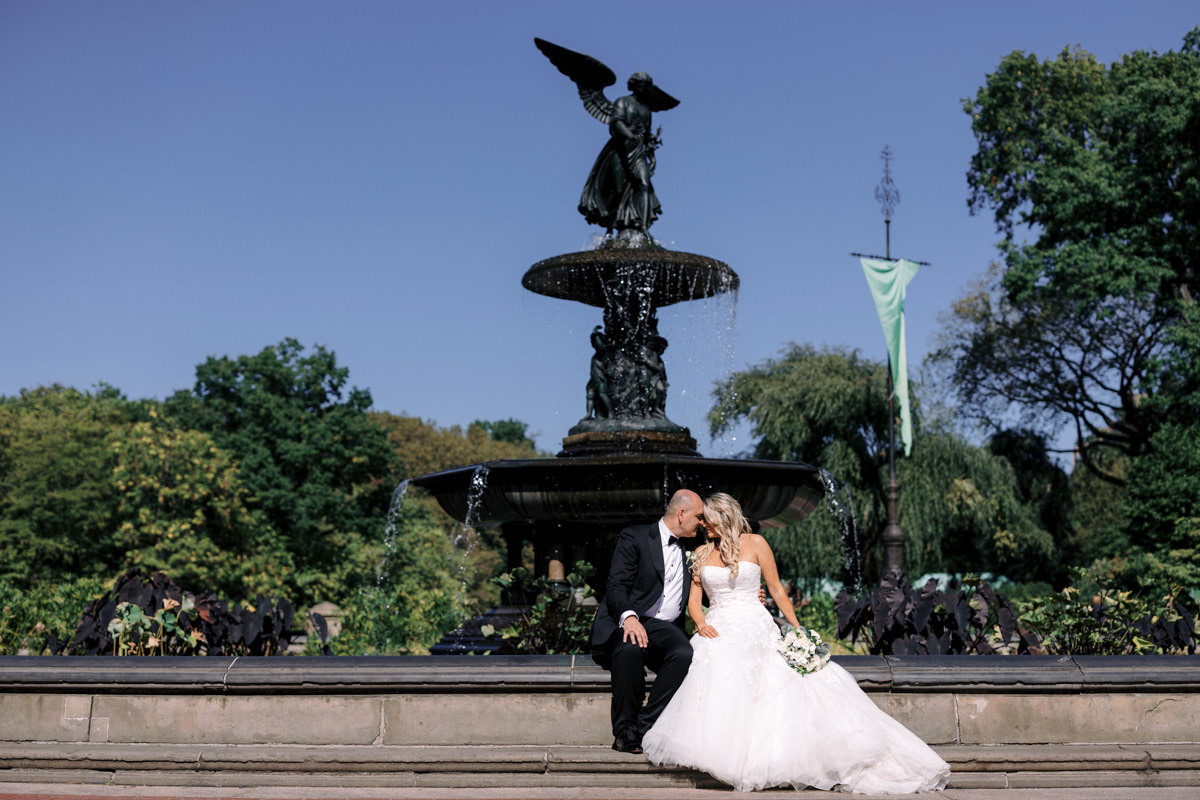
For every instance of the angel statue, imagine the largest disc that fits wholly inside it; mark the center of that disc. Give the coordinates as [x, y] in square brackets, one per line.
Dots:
[618, 193]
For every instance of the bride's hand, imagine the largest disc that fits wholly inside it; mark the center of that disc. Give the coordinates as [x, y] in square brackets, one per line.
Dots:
[707, 631]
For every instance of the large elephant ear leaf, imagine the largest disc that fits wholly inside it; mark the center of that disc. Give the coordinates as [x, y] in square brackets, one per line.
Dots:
[923, 608]
[1007, 621]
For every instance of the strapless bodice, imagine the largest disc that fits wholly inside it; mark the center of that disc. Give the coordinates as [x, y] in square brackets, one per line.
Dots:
[724, 590]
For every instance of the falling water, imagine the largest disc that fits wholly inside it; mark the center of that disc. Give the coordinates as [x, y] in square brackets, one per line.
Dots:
[479, 479]
[382, 578]
[625, 240]
[704, 351]
[839, 503]
[465, 541]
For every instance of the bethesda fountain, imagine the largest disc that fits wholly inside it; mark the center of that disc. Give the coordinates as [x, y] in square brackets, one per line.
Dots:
[622, 461]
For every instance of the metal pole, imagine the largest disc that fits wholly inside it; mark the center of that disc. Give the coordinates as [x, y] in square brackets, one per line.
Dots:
[893, 534]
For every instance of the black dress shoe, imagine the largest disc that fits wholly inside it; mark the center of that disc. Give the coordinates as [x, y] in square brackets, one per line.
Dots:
[623, 746]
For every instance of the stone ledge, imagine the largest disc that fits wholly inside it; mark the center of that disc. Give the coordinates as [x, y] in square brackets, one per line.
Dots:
[1000, 767]
[550, 758]
[466, 674]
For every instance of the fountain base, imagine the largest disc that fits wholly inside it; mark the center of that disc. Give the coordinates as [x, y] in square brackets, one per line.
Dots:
[595, 443]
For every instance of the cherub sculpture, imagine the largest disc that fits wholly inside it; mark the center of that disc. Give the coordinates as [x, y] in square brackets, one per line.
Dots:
[618, 193]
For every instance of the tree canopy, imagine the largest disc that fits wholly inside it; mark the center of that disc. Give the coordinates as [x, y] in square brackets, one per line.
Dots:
[961, 506]
[509, 430]
[269, 477]
[423, 447]
[183, 509]
[57, 504]
[1100, 165]
[318, 468]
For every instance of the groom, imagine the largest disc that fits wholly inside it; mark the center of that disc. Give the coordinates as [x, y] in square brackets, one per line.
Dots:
[639, 623]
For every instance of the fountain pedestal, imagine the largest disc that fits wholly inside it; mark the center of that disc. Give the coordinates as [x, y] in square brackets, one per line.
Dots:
[627, 378]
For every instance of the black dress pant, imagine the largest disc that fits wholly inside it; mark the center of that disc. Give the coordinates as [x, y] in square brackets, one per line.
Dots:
[669, 654]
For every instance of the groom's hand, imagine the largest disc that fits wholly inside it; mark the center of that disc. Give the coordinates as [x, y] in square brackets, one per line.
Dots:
[634, 631]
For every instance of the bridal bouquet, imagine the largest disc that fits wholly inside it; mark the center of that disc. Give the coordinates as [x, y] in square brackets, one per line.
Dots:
[803, 650]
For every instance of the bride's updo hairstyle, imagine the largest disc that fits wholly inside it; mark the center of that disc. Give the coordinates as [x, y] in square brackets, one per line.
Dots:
[723, 516]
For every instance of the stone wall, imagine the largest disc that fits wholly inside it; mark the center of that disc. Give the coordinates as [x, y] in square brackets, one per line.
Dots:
[389, 714]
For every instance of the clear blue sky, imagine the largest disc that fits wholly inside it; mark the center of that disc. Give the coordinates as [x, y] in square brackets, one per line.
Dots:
[180, 180]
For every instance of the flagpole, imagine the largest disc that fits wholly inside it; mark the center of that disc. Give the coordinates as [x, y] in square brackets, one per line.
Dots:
[893, 535]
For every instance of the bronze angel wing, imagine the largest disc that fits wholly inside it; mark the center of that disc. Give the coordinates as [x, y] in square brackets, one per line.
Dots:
[657, 100]
[590, 76]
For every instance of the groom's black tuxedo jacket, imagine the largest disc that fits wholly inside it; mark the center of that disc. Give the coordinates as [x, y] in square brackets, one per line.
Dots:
[635, 581]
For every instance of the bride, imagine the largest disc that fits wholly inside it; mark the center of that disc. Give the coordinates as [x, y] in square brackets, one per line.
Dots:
[746, 718]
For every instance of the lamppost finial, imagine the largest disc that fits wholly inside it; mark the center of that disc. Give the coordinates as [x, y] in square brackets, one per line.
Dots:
[888, 196]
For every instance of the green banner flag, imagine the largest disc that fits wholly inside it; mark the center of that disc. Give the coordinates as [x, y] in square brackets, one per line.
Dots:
[888, 280]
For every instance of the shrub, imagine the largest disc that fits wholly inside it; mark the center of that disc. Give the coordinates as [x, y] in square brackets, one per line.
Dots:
[894, 620]
[35, 619]
[1122, 623]
[156, 617]
[819, 614]
[559, 619]
[417, 596]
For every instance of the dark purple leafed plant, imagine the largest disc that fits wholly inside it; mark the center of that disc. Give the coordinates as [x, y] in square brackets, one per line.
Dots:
[893, 619]
[177, 622]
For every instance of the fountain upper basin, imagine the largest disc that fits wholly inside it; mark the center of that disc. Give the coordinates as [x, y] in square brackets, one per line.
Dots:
[668, 276]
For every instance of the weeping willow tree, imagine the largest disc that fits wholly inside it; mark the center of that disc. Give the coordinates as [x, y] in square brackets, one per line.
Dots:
[963, 510]
[961, 506]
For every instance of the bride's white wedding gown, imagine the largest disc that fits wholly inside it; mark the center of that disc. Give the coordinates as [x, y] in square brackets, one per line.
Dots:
[746, 718]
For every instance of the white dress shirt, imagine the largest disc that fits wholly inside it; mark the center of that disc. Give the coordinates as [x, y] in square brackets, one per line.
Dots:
[673, 579]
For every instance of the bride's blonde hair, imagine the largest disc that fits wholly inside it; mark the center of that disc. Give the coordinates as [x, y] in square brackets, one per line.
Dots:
[723, 516]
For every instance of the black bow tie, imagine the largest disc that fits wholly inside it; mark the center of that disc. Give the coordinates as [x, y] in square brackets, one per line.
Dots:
[672, 540]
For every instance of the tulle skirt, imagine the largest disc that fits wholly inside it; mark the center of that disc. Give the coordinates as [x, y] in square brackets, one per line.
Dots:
[746, 718]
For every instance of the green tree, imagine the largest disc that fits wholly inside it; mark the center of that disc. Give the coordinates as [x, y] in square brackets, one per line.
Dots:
[512, 431]
[317, 466]
[960, 506]
[1043, 485]
[1100, 519]
[963, 510]
[1038, 360]
[1164, 483]
[1101, 164]
[417, 596]
[94, 484]
[183, 510]
[1164, 509]
[827, 408]
[57, 501]
[422, 447]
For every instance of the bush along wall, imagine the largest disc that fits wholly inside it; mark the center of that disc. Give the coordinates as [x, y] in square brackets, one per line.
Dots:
[156, 617]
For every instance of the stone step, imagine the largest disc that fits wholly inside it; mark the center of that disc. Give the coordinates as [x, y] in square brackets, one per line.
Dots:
[972, 766]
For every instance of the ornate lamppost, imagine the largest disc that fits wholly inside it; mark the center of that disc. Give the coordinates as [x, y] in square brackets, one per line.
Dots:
[888, 279]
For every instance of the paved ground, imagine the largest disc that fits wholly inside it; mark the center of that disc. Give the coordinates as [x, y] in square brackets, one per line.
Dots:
[44, 791]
